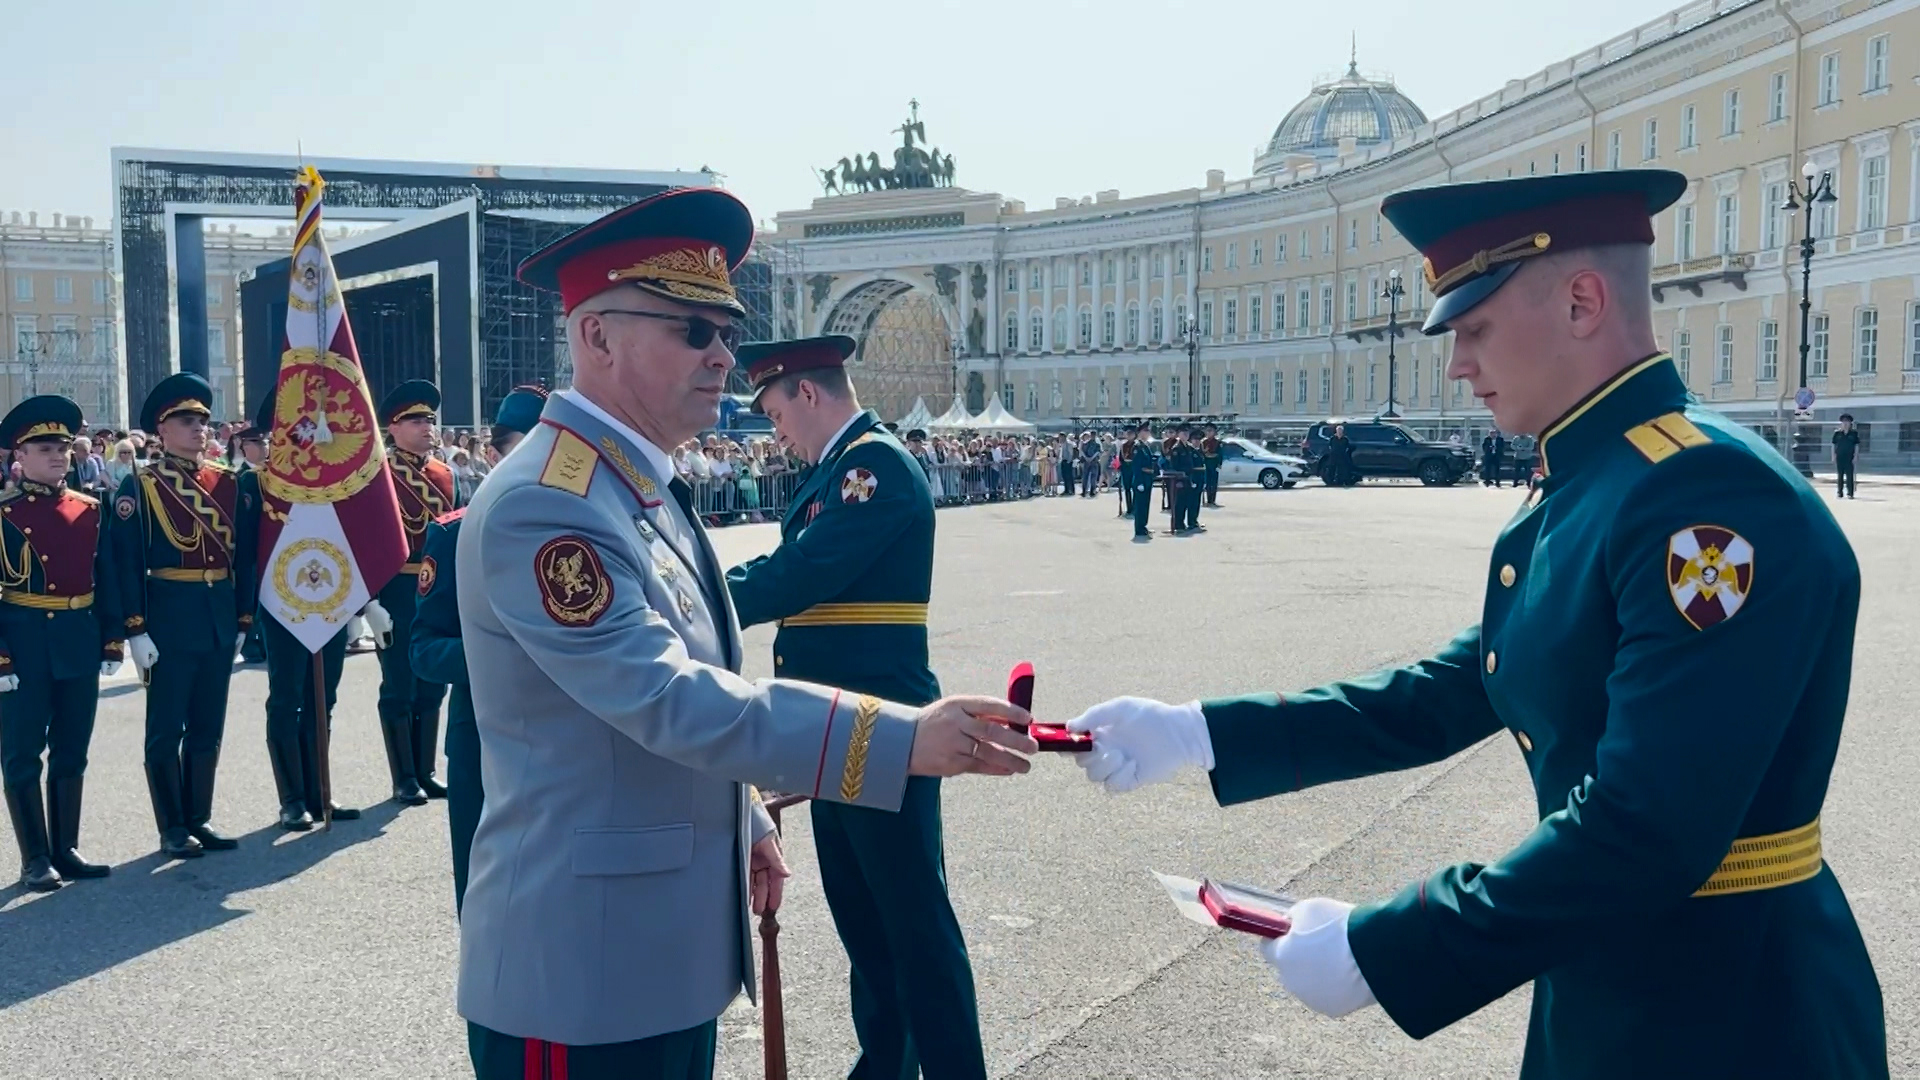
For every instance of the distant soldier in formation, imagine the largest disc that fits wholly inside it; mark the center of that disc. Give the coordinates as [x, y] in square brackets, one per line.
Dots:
[185, 565]
[1143, 470]
[1212, 458]
[1195, 461]
[410, 705]
[292, 722]
[438, 653]
[59, 632]
[1846, 446]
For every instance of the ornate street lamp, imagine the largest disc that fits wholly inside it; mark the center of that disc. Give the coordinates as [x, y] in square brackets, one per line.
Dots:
[1816, 186]
[1392, 294]
[1193, 360]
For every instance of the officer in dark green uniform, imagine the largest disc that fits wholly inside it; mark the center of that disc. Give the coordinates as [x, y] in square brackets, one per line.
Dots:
[291, 721]
[1212, 457]
[1196, 479]
[185, 563]
[439, 656]
[849, 586]
[1672, 908]
[60, 631]
[1143, 470]
[410, 705]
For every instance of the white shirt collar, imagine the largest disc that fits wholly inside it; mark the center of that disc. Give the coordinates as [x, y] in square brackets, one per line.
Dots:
[842, 433]
[656, 457]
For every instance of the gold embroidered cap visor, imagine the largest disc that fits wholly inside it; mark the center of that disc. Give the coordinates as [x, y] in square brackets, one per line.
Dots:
[1475, 236]
[181, 392]
[681, 245]
[43, 416]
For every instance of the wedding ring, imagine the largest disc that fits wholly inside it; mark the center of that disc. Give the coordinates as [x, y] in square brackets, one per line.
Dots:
[973, 747]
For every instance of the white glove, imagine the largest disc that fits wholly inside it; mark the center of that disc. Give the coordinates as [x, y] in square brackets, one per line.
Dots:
[9, 683]
[140, 647]
[1139, 741]
[109, 668]
[240, 642]
[1314, 961]
[379, 622]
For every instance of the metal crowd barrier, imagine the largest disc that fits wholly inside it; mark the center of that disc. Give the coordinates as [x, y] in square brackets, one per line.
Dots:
[965, 483]
[740, 500]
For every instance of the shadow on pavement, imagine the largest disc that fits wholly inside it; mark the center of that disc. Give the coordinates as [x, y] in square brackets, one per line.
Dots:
[150, 903]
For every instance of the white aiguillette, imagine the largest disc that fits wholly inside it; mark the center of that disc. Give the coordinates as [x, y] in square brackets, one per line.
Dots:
[1236, 907]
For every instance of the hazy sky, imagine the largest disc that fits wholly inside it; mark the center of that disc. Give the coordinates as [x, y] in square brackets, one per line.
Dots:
[1034, 98]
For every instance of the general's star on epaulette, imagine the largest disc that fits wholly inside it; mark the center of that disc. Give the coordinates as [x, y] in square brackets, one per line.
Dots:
[857, 486]
[1709, 573]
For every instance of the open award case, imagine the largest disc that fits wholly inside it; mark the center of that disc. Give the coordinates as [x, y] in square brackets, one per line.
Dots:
[1052, 738]
[1244, 908]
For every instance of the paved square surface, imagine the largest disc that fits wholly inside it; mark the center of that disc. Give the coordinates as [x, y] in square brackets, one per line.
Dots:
[333, 955]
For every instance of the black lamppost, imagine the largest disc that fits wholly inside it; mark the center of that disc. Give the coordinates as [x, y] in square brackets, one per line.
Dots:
[1816, 186]
[1193, 361]
[1392, 294]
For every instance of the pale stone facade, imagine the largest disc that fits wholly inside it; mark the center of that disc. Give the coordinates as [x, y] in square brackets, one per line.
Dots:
[1077, 311]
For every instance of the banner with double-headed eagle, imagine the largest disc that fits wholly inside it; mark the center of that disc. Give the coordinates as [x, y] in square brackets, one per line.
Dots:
[331, 534]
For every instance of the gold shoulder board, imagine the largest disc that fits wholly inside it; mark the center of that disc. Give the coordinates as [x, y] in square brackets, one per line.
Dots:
[569, 464]
[1665, 436]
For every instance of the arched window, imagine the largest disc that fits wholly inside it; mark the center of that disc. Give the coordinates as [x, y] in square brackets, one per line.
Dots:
[1035, 330]
[1106, 327]
[1180, 319]
[1060, 329]
[1013, 333]
[1156, 324]
[1133, 324]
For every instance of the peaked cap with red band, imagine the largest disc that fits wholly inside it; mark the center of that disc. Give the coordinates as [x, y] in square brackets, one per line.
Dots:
[681, 245]
[766, 361]
[1475, 236]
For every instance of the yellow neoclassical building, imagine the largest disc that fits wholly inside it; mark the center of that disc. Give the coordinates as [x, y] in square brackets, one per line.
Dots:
[1078, 311]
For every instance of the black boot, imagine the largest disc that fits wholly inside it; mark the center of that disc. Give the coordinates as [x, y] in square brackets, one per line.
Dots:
[285, 759]
[198, 793]
[63, 822]
[426, 752]
[398, 734]
[30, 828]
[163, 786]
[310, 785]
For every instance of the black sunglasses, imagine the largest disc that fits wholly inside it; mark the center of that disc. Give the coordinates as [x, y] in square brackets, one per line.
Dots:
[700, 332]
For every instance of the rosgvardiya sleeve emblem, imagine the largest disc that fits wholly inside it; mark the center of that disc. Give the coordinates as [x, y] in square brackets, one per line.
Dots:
[574, 586]
[1709, 573]
[428, 571]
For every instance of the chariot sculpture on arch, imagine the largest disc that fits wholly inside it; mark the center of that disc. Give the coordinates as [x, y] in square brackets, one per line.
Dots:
[915, 165]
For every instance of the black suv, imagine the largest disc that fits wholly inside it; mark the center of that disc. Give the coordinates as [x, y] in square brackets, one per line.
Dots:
[1383, 448]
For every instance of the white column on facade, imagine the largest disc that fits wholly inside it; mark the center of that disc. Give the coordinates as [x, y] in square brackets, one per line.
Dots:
[1025, 281]
[1099, 295]
[1166, 299]
[996, 284]
[1046, 306]
[964, 309]
[1073, 304]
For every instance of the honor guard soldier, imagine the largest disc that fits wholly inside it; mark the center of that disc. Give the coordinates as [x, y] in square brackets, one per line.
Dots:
[1144, 468]
[1125, 463]
[1196, 460]
[437, 652]
[410, 705]
[606, 921]
[185, 563]
[60, 630]
[1672, 908]
[848, 586]
[1211, 458]
[291, 722]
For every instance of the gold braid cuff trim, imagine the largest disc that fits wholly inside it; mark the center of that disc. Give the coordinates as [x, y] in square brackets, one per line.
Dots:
[1767, 862]
[853, 778]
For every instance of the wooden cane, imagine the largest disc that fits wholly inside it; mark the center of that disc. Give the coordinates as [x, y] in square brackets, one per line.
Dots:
[773, 1024]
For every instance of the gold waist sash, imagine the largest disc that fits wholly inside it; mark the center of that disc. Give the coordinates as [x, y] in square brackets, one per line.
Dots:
[175, 573]
[1767, 862]
[43, 602]
[860, 615]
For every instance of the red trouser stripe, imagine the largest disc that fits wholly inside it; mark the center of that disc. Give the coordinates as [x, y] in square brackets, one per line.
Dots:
[557, 1061]
[536, 1066]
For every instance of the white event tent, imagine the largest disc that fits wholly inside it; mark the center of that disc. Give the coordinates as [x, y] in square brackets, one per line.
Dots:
[917, 417]
[954, 419]
[995, 417]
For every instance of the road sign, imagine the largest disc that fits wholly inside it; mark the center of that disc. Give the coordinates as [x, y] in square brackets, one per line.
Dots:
[1803, 398]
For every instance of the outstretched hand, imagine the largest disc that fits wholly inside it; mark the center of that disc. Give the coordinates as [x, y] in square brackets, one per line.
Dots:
[971, 735]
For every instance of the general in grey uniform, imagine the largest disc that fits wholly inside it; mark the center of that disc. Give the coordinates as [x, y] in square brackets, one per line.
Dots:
[606, 919]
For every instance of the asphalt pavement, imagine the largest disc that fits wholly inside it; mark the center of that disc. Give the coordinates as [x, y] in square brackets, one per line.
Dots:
[332, 955]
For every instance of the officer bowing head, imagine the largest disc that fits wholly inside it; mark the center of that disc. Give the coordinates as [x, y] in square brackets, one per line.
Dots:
[518, 412]
[177, 412]
[650, 307]
[1544, 282]
[411, 413]
[40, 432]
[803, 387]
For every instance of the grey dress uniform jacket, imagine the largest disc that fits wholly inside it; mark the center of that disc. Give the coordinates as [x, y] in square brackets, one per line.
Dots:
[608, 892]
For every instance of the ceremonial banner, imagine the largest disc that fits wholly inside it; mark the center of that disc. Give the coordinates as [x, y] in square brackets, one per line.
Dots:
[331, 535]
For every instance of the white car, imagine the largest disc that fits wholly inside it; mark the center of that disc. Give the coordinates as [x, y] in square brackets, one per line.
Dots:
[1244, 461]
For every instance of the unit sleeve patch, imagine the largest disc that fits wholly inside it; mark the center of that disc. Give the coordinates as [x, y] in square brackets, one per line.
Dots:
[124, 507]
[427, 573]
[858, 486]
[574, 586]
[1709, 573]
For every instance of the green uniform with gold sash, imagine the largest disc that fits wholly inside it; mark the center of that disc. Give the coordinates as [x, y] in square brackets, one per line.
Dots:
[1667, 637]
[849, 586]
